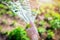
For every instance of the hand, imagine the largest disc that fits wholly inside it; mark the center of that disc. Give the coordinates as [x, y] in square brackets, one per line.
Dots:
[32, 32]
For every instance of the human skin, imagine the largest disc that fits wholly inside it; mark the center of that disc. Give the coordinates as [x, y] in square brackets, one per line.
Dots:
[32, 32]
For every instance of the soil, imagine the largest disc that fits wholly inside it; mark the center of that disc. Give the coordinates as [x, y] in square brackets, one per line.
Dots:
[9, 26]
[6, 24]
[47, 27]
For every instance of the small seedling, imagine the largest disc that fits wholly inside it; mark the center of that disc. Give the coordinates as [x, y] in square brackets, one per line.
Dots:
[28, 26]
[5, 0]
[0, 28]
[42, 23]
[41, 30]
[50, 34]
[18, 34]
[55, 24]
[3, 6]
[11, 13]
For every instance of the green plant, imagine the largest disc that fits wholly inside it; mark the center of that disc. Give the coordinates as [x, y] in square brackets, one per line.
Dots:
[55, 14]
[41, 30]
[47, 15]
[55, 24]
[0, 27]
[3, 9]
[42, 22]
[18, 34]
[28, 26]
[11, 13]
[2, 6]
[4, 0]
[50, 34]
[47, 38]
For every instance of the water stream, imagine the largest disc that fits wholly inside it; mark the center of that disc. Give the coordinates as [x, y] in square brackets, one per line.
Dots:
[22, 9]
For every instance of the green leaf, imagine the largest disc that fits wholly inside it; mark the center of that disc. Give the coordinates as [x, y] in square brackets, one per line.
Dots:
[50, 33]
[56, 23]
[18, 34]
[41, 30]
